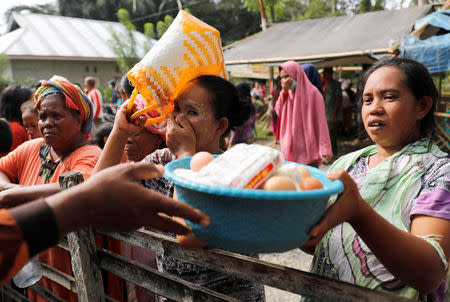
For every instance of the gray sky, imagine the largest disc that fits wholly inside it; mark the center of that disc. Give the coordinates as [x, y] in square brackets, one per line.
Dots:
[5, 4]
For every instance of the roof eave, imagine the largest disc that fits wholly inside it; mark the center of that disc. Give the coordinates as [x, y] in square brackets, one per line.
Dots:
[61, 58]
[309, 58]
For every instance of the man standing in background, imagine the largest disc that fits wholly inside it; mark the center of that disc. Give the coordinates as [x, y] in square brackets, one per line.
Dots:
[96, 99]
[333, 105]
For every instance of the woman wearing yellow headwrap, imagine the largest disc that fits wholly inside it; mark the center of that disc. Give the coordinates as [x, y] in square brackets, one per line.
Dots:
[31, 171]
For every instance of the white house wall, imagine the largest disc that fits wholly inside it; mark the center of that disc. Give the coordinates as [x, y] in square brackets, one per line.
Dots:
[74, 71]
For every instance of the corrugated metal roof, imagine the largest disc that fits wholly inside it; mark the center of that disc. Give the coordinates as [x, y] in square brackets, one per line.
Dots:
[58, 37]
[369, 33]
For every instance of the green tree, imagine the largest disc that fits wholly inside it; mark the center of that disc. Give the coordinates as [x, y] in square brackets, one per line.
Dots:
[149, 30]
[4, 64]
[162, 26]
[48, 9]
[367, 6]
[124, 43]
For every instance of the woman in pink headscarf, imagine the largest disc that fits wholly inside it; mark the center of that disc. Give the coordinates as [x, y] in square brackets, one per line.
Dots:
[304, 136]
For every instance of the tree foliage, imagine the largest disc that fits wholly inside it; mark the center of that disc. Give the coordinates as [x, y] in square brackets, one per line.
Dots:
[124, 43]
[163, 25]
[367, 6]
[235, 19]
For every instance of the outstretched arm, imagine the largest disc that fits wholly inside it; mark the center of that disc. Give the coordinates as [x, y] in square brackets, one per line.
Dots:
[387, 242]
[22, 194]
[109, 200]
[5, 182]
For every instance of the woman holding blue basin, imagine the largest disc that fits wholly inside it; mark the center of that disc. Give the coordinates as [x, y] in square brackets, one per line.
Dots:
[390, 228]
[205, 111]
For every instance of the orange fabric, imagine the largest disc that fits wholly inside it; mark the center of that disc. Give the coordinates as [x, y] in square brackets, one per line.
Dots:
[22, 166]
[19, 135]
[14, 252]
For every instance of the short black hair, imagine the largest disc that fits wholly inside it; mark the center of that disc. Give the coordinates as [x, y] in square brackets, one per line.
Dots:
[11, 98]
[243, 89]
[5, 137]
[103, 131]
[91, 81]
[328, 69]
[225, 101]
[419, 81]
[125, 85]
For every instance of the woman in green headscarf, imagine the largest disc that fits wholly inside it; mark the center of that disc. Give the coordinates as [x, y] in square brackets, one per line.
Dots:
[390, 229]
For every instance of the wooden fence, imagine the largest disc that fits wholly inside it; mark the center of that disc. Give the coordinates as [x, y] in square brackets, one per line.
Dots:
[88, 261]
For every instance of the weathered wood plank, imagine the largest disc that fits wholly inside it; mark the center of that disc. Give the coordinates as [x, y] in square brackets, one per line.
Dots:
[59, 277]
[63, 243]
[88, 278]
[248, 268]
[45, 293]
[12, 294]
[163, 284]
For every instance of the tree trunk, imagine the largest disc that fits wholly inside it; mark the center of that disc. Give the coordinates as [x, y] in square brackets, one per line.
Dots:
[272, 13]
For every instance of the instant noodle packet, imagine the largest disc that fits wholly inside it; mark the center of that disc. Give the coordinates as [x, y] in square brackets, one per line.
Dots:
[243, 166]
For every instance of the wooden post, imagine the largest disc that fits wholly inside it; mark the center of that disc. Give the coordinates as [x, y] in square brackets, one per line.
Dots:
[88, 278]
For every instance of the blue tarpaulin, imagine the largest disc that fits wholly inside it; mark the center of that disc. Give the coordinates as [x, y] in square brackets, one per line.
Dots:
[433, 52]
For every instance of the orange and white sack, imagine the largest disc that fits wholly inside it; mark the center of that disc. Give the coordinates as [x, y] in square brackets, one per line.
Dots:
[189, 48]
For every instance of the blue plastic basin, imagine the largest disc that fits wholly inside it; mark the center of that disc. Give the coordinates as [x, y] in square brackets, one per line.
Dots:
[253, 221]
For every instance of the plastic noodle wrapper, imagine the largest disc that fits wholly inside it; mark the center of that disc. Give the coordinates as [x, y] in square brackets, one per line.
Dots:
[290, 170]
[243, 166]
[189, 48]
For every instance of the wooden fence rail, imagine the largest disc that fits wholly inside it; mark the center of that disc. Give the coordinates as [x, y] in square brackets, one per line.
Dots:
[88, 260]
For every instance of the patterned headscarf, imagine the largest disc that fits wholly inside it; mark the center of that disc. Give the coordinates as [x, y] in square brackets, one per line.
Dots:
[74, 99]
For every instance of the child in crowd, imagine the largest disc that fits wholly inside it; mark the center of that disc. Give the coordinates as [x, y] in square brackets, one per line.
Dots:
[207, 109]
[390, 229]
[30, 118]
[11, 98]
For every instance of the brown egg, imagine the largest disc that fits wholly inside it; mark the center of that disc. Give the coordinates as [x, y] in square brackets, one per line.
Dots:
[200, 159]
[310, 183]
[279, 183]
[304, 171]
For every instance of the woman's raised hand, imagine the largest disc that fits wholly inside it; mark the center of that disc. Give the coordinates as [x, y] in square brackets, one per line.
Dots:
[345, 208]
[180, 136]
[126, 126]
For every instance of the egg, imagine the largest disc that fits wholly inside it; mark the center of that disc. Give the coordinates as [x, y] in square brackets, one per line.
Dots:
[310, 183]
[200, 159]
[303, 171]
[279, 183]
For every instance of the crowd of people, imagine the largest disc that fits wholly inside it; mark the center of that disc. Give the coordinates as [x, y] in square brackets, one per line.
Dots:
[396, 197]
